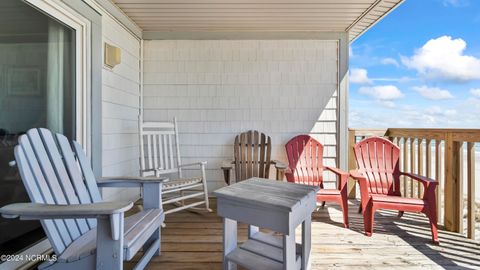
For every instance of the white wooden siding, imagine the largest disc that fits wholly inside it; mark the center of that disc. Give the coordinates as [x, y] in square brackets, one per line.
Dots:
[218, 88]
[120, 109]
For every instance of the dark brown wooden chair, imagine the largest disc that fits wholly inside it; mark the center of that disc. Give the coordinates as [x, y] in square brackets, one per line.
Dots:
[252, 152]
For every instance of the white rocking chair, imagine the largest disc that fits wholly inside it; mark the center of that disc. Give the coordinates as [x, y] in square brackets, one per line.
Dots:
[158, 141]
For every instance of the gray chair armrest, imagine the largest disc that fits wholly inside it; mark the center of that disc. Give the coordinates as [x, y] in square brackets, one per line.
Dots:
[53, 211]
[38, 211]
[279, 165]
[201, 163]
[227, 166]
[129, 181]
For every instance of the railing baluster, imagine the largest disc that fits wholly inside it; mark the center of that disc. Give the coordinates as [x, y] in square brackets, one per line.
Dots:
[413, 184]
[438, 176]
[351, 184]
[400, 160]
[459, 196]
[428, 158]
[420, 156]
[471, 190]
[405, 165]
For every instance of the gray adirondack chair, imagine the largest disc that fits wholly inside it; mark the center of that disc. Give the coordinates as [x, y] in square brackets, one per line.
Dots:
[160, 155]
[85, 232]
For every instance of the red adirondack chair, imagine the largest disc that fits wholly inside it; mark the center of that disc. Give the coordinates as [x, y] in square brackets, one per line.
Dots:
[305, 158]
[378, 175]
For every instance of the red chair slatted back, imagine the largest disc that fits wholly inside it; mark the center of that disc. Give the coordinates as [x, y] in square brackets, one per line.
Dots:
[305, 158]
[377, 158]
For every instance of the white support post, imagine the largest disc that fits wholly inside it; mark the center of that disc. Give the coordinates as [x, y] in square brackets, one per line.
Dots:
[229, 242]
[152, 198]
[252, 230]
[205, 188]
[342, 105]
[177, 147]
[109, 251]
[289, 251]
[306, 242]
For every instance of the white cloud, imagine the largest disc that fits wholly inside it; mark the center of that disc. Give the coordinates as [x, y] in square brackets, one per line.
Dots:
[404, 79]
[359, 76]
[435, 110]
[390, 61]
[387, 103]
[475, 92]
[443, 58]
[433, 93]
[382, 93]
[456, 114]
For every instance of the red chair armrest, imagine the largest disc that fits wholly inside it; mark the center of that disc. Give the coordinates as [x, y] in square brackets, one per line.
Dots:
[358, 176]
[428, 183]
[337, 171]
[362, 182]
[341, 174]
[424, 180]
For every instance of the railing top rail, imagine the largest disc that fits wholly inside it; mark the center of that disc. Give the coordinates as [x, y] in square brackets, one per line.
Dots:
[461, 135]
[368, 131]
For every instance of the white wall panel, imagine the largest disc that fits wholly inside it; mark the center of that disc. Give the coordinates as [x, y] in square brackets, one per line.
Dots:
[219, 88]
[120, 109]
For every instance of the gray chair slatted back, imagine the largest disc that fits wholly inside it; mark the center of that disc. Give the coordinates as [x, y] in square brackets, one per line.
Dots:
[159, 151]
[54, 173]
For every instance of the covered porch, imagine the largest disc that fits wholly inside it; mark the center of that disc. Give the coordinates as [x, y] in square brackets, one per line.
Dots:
[281, 67]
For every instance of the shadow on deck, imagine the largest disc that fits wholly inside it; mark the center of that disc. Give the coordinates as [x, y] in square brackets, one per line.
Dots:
[194, 241]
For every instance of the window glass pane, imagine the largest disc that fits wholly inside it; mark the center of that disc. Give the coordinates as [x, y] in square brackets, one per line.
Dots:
[37, 89]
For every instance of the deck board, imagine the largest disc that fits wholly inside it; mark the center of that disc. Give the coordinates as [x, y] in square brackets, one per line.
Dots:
[193, 241]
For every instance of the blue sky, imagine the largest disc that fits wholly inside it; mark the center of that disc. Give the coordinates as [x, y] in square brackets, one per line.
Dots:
[418, 67]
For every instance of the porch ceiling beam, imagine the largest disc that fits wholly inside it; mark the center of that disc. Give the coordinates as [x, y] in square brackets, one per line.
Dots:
[259, 35]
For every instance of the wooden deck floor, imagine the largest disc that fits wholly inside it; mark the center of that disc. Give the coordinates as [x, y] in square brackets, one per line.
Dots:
[194, 241]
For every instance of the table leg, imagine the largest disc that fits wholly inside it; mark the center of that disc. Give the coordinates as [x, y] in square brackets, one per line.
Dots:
[252, 230]
[306, 242]
[289, 256]
[229, 242]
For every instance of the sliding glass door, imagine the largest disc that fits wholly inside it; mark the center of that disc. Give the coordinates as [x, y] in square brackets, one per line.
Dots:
[37, 89]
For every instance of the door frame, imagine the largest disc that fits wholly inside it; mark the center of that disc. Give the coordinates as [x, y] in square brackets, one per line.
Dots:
[83, 84]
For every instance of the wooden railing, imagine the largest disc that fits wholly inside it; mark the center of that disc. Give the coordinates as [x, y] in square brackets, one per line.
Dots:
[438, 154]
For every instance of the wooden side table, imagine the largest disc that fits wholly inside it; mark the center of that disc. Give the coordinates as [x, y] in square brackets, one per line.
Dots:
[278, 206]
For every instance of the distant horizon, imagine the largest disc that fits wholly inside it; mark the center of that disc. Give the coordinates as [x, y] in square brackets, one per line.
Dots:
[418, 67]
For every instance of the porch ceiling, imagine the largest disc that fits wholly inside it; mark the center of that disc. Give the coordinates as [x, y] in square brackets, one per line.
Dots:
[355, 16]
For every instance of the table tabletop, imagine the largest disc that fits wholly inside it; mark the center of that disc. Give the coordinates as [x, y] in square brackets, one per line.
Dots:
[282, 196]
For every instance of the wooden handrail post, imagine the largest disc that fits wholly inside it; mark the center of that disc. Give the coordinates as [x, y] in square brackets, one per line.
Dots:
[453, 198]
[351, 185]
